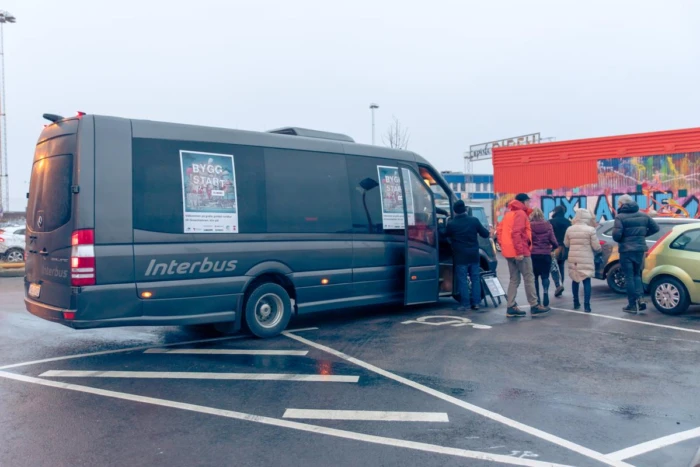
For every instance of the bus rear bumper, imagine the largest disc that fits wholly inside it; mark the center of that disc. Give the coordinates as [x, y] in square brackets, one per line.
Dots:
[58, 315]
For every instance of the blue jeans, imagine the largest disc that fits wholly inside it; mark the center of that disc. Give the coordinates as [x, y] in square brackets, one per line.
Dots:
[632, 266]
[586, 292]
[474, 272]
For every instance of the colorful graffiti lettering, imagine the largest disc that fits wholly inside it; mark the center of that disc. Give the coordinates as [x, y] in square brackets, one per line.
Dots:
[667, 186]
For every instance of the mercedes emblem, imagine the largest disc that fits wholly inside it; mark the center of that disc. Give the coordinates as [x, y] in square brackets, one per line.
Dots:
[40, 221]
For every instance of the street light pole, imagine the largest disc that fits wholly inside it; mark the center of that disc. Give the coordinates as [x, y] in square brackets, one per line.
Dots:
[5, 17]
[372, 107]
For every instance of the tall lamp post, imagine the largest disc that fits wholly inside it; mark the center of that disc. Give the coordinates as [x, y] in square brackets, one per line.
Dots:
[373, 107]
[5, 17]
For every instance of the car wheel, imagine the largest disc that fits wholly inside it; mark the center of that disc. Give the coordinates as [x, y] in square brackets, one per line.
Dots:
[268, 310]
[669, 296]
[15, 255]
[616, 279]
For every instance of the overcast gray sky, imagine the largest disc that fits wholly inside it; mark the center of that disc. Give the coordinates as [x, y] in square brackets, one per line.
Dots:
[454, 72]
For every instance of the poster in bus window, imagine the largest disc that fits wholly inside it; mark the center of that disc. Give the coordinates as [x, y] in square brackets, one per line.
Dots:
[392, 198]
[210, 203]
[409, 200]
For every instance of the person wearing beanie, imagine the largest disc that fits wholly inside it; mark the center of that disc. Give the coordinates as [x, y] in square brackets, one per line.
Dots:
[462, 232]
[543, 243]
[515, 236]
[560, 224]
[630, 231]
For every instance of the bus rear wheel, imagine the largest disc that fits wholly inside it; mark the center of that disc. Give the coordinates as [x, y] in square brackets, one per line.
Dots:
[268, 310]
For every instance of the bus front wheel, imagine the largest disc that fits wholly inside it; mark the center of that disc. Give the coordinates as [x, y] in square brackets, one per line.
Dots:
[268, 310]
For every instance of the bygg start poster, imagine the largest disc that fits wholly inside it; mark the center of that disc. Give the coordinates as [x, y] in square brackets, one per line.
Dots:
[209, 196]
[392, 197]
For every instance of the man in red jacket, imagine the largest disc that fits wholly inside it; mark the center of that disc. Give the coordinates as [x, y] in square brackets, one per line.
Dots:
[515, 237]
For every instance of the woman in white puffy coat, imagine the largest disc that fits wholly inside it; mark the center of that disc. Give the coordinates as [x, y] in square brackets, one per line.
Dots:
[583, 244]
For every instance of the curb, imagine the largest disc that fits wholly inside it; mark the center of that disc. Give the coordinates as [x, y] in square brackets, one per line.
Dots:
[11, 269]
[11, 272]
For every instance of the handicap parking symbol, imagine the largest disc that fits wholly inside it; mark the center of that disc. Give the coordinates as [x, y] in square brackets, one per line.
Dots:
[441, 320]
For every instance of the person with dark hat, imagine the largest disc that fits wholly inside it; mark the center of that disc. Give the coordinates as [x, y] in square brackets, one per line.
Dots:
[462, 232]
[515, 237]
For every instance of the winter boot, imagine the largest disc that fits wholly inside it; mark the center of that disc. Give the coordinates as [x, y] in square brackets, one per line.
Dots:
[539, 310]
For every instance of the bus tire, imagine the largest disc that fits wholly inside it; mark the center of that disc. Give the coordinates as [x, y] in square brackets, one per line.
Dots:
[268, 310]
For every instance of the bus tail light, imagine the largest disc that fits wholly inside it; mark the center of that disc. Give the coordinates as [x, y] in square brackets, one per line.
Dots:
[82, 258]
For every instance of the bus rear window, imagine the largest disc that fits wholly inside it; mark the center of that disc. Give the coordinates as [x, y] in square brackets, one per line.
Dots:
[50, 193]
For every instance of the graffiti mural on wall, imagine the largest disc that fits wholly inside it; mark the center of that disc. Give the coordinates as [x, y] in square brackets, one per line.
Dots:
[666, 185]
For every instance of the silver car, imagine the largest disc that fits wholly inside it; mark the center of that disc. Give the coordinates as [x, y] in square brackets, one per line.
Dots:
[12, 244]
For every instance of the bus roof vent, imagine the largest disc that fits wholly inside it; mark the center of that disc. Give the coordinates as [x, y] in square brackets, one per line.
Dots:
[294, 131]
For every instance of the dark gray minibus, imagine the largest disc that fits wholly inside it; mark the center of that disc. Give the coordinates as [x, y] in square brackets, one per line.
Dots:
[134, 222]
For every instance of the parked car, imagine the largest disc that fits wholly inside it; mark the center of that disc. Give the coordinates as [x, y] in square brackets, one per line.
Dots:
[609, 269]
[672, 270]
[12, 244]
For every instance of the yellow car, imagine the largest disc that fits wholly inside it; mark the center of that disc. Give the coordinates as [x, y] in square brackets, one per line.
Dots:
[672, 270]
[609, 268]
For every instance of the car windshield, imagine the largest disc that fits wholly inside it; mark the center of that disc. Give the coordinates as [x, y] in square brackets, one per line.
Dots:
[480, 214]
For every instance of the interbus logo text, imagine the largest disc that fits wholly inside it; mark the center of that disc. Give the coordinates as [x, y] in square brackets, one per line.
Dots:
[200, 267]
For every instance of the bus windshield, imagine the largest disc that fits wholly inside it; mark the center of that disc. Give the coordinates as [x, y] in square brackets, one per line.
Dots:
[442, 199]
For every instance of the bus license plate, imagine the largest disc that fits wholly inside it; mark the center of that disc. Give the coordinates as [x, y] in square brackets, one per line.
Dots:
[34, 290]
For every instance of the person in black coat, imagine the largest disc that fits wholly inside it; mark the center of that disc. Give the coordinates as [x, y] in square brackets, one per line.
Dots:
[560, 224]
[462, 233]
[631, 229]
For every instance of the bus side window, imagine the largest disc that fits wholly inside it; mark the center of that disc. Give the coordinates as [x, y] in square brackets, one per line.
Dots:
[365, 195]
[421, 228]
[306, 192]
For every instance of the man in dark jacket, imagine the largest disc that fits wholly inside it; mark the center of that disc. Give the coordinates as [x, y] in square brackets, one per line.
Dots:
[630, 232]
[560, 224]
[462, 233]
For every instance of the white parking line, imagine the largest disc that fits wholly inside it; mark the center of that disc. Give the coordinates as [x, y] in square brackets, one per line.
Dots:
[201, 375]
[655, 444]
[108, 352]
[293, 353]
[465, 405]
[675, 328]
[351, 435]
[366, 415]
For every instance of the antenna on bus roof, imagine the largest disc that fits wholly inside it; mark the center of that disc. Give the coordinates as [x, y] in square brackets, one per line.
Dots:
[52, 117]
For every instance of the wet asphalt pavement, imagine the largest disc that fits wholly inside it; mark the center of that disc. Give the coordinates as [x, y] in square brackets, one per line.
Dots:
[568, 388]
